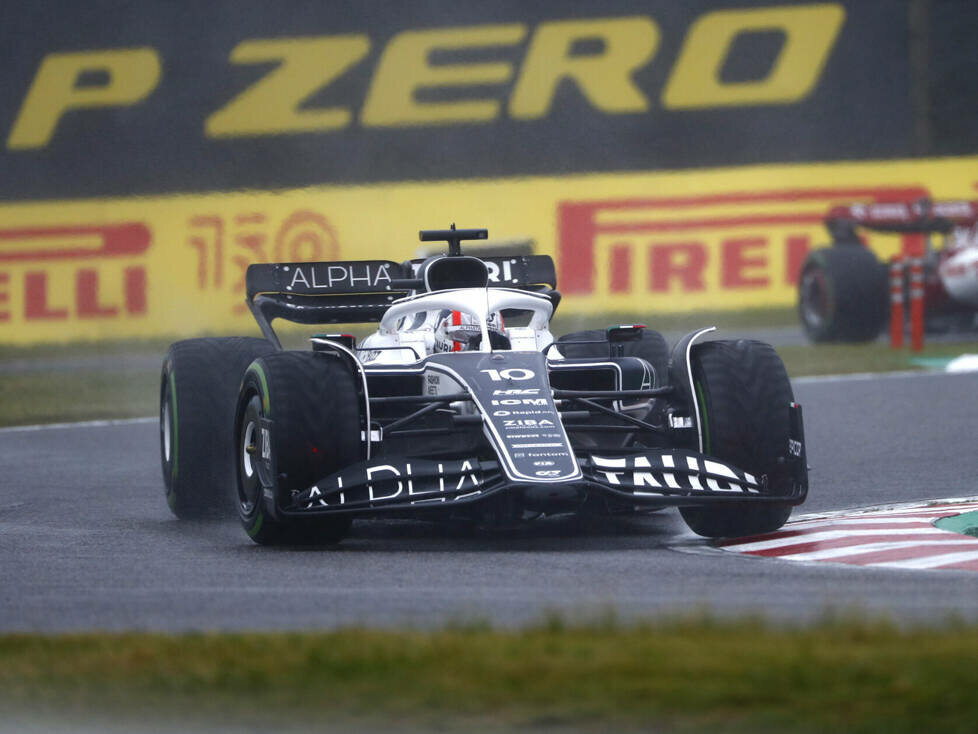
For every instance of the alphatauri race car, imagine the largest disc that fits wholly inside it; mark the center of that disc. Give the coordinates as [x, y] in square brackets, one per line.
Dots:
[463, 405]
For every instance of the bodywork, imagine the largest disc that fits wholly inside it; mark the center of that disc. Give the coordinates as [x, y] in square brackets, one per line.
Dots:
[512, 422]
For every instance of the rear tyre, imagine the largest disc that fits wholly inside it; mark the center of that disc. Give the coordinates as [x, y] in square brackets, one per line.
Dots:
[198, 390]
[842, 294]
[311, 400]
[651, 347]
[745, 396]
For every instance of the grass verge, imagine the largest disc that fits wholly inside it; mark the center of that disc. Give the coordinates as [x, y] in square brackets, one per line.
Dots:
[34, 397]
[690, 675]
[834, 359]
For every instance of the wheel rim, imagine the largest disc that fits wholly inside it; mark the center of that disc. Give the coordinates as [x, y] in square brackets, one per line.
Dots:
[814, 299]
[249, 440]
[166, 429]
[249, 486]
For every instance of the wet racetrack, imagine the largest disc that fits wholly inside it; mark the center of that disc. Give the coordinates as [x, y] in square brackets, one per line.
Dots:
[87, 541]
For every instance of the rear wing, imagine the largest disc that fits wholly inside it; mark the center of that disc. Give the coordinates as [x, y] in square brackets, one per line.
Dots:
[921, 216]
[361, 291]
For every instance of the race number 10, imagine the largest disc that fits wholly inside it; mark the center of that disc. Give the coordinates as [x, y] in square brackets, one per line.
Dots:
[514, 373]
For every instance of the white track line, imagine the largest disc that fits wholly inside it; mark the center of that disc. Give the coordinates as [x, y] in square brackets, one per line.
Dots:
[863, 376]
[80, 424]
[805, 538]
[898, 509]
[857, 550]
[918, 518]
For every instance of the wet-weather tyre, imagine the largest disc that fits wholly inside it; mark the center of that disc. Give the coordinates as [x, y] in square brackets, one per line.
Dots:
[309, 403]
[842, 294]
[198, 393]
[745, 399]
[651, 347]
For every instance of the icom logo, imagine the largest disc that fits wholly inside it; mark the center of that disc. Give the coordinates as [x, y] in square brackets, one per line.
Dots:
[548, 473]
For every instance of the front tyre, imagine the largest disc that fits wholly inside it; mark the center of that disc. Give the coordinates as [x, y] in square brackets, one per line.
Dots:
[745, 397]
[198, 390]
[307, 402]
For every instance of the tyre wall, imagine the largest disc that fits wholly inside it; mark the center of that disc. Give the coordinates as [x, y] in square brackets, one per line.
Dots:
[670, 156]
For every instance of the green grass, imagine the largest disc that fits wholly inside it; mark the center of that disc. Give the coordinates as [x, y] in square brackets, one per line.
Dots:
[66, 350]
[691, 676]
[832, 359]
[44, 397]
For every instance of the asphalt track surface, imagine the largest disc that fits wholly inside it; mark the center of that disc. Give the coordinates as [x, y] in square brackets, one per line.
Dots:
[87, 542]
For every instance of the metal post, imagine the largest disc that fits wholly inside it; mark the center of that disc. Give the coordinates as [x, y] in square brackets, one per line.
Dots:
[916, 304]
[896, 302]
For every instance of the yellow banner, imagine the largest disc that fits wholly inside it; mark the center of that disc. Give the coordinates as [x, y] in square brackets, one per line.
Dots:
[641, 243]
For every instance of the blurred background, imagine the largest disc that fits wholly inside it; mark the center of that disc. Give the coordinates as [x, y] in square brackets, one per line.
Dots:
[670, 156]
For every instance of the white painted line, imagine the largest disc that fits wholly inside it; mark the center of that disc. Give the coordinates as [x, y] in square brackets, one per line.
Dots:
[857, 550]
[928, 511]
[863, 376]
[806, 538]
[964, 363]
[931, 561]
[959, 504]
[868, 520]
[80, 424]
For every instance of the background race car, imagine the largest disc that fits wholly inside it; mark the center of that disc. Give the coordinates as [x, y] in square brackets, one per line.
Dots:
[842, 289]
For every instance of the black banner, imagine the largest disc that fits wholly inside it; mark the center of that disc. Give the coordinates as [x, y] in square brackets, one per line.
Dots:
[116, 98]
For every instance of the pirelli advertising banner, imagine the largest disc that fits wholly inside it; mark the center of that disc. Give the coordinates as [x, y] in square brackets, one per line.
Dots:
[642, 243]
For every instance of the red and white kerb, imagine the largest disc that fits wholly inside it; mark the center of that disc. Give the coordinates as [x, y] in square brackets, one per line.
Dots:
[901, 536]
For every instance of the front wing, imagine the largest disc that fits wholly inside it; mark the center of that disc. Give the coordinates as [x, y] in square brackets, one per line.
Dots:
[653, 478]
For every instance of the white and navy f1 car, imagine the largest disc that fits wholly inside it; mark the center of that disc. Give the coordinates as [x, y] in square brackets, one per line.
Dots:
[462, 404]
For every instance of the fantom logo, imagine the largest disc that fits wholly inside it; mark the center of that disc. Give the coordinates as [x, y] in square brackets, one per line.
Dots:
[739, 246]
[62, 273]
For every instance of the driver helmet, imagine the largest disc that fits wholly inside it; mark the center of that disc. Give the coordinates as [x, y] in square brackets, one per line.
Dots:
[459, 332]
